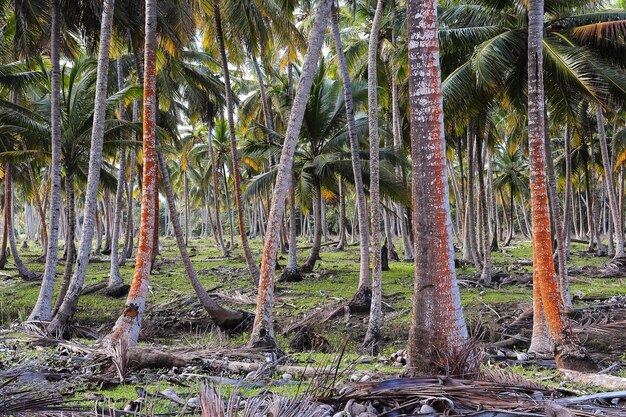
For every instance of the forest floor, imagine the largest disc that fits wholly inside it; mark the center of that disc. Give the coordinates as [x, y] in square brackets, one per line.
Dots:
[176, 322]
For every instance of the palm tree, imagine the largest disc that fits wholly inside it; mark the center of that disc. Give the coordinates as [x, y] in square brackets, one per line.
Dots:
[569, 354]
[372, 337]
[61, 321]
[129, 323]
[263, 330]
[437, 326]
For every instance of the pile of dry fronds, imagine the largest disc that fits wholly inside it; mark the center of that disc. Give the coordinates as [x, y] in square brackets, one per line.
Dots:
[458, 396]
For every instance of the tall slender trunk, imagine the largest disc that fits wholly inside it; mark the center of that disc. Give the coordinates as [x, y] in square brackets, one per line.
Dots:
[229, 209]
[555, 209]
[470, 251]
[129, 323]
[372, 336]
[129, 239]
[43, 306]
[263, 330]
[363, 294]
[568, 351]
[437, 326]
[69, 239]
[610, 184]
[252, 266]
[23, 270]
[216, 188]
[342, 215]
[186, 191]
[67, 309]
[595, 209]
[569, 211]
[5, 228]
[115, 280]
[485, 275]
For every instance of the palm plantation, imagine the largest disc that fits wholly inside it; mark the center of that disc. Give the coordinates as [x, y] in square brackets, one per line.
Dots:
[436, 187]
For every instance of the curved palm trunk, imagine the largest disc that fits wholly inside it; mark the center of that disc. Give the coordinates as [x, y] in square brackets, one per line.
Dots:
[67, 309]
[227, 319]
[129, 323]
[263, 330]
[362, 297]
[252, 267]
[610, 184]
[128, 244]
[115, 280]
[70, 253]
[372, 336]
[437, 326]
[23, 270]
[43, 306]
[568, 352]
[5, 228]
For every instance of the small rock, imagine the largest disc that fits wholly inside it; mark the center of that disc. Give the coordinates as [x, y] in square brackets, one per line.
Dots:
[354, 378]
[427, 409]
[340, 414]
[365, 378]
[365, 359]
[193, 402]
[521, 356]
[287, 377]
[367, 414]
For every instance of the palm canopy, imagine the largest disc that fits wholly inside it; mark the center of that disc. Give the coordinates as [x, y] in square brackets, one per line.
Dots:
[484, 56]
[323, 151]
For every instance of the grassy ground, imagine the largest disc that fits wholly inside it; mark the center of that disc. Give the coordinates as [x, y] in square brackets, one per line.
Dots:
[335, 278]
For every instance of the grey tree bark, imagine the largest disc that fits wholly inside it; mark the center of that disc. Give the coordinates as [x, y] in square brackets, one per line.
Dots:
[67, 309]
[43, 306]
[23, 270]
[128, 239]
[263, 330]
[252, 266]
[372, 336]
[363, 293]
[115, 280]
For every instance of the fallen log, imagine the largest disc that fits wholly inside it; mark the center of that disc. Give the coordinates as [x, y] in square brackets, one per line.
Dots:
[89, 289]
[596, 379]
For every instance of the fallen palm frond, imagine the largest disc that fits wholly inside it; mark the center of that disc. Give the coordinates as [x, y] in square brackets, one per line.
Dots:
[465, 396]
[20, 399]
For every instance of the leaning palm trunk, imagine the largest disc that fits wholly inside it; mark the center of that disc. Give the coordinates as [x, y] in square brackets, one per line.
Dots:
[23, 270]
[372, 336]
[216, 191]
[263, 330]
[5, 234]
[43, 307]
[67, 309]
[568, 352]
[129, 323]
[362, 297]
[227, 319]
[252, 267]
[610, 184]
[115, 280]
[437, 326]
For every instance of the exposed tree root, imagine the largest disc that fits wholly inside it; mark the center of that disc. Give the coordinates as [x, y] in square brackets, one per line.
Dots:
[89, 289]
[117, 291]
[290, 275]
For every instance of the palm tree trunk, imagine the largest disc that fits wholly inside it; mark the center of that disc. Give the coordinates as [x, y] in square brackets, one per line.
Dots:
[115, 280]
[555, 209]
[371, 343]
[485, 275]
[610, 183]
[309, 264]
[362, 297]
[470, 251]
[252, 267]
[263, 330]
[23, 270]
[66, 311]
[43, 306]
[216, 188]
[42, 216]
[568, 352]
[595, 209]
[437, 326]
[569, 212]
[227, 319]
[129, 239]
[69, 239]
[129, 323]
[5, 228]
[186, 191]
[342, 216]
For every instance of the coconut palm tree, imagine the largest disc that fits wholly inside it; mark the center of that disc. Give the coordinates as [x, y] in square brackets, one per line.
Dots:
[437, 325]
